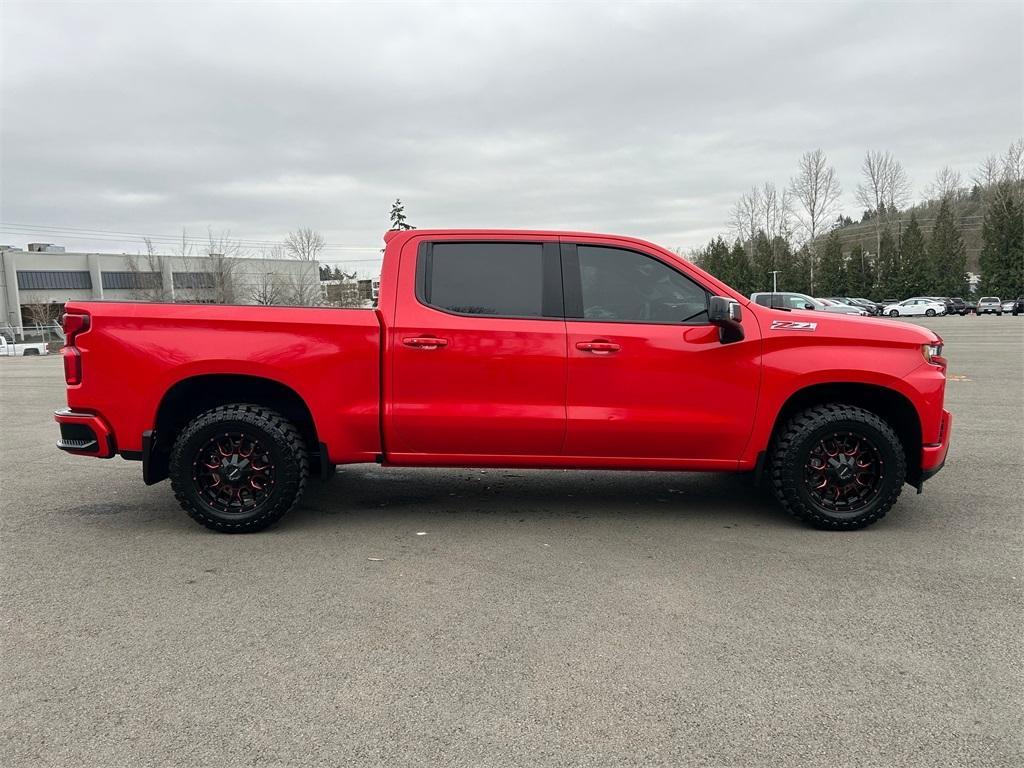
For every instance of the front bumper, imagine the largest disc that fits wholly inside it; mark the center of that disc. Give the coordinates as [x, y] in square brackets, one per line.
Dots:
[84, 434]
[933, 457]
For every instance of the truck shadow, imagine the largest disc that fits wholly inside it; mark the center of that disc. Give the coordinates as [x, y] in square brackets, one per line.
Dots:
[358, 492]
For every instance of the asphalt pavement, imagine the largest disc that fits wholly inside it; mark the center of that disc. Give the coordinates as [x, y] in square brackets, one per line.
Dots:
[492, 618]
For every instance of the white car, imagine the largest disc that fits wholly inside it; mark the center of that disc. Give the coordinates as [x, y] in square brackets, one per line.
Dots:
[1008, 305]
[916, 306]
[19, 349]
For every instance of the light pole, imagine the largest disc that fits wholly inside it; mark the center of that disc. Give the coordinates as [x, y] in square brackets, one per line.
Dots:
[775, 280]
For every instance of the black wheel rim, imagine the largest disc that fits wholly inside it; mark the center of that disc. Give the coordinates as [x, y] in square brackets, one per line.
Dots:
[233, 472]
[844, 472]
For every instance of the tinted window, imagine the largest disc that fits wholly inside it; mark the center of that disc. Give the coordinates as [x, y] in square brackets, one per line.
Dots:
[626, 286]
[485, 278]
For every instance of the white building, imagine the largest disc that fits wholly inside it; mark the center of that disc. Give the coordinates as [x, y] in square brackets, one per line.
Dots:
[35, 283]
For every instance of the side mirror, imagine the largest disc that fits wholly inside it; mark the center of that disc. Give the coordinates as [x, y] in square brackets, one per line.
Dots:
[727, 314]
[808, 306]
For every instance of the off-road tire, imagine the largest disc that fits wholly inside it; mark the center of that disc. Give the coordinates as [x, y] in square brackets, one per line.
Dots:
[790, 450]
[284, 443]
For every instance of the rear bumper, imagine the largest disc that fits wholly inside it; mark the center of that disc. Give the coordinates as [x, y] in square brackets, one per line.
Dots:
[84, 434]
[933, 457]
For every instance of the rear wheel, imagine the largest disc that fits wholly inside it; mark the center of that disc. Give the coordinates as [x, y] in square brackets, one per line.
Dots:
[837, 467]
[238, 468]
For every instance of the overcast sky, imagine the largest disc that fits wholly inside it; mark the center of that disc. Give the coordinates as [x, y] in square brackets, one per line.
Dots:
[647, 120]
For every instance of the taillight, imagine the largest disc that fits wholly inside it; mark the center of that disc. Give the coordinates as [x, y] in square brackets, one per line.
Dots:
[74, 324]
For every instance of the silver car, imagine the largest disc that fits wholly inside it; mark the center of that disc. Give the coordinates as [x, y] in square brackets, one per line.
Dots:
[790, 300]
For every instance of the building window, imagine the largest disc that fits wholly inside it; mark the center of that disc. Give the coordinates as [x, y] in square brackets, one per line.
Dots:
[131, 280]
[193, 280]
[53, 280]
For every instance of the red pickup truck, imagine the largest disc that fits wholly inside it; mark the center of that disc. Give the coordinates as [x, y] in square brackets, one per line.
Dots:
[498, 348]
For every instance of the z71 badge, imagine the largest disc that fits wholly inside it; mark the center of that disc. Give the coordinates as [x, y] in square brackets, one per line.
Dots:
[792, 325]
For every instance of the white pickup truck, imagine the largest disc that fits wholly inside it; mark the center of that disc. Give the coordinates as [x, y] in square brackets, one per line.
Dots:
[19, 349]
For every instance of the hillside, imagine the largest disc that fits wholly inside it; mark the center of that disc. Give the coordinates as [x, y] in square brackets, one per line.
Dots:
[969, 212]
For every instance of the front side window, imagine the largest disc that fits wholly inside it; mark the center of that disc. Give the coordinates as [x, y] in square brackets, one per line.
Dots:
[617, 285]
[505, 279]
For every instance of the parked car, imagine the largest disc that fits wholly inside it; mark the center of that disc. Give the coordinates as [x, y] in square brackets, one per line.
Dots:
[870, 306]
[958, 306]
[1018, 306]
[867, 306]
[916, 306]
[791, 300]
[1008, 305]
[503, 348]
[989, 305]
[21, 349]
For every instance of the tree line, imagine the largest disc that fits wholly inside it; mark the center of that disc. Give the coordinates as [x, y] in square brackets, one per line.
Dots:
[796, 232]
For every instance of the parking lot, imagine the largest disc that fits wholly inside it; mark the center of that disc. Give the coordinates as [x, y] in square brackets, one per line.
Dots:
[485, 618]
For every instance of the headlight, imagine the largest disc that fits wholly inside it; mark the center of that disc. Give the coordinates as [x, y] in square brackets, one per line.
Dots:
[933, 354]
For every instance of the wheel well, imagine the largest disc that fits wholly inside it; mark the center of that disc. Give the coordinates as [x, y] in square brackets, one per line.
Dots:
[889, 404]
[190, 397]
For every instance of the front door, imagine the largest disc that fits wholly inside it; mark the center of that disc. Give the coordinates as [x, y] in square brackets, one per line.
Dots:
[648, 377]
[478, 356]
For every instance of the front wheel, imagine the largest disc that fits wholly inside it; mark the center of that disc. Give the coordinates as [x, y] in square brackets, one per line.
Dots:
[894, 313]
[930, 312]
[238, 468]
[837, 467]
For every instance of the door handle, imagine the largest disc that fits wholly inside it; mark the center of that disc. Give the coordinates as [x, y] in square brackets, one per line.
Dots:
[598, 347]
[425, 342]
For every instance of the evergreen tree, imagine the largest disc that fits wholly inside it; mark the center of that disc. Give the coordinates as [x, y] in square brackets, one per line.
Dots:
[796, 271]
[741, 277]
[914, 272]
[1002, 251]
[860, 273]
[763, 262]
[947, 257]
[887, 268]
[398, 220]
[832, 268]
[714, 259]
[794, 268]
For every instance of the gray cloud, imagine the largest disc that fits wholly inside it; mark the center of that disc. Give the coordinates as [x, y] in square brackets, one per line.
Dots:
[642, 119]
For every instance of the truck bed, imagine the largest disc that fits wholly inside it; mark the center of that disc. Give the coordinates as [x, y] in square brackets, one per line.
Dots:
[136, 354]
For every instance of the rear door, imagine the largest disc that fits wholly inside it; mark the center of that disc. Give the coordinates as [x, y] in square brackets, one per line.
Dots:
[648, 377]
[478, 350]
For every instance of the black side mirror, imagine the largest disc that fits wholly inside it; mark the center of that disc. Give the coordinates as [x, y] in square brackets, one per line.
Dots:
[808, 306]
[727, 314]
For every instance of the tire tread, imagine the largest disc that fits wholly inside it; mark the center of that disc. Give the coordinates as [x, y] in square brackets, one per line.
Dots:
[783, 453]
[259, 416]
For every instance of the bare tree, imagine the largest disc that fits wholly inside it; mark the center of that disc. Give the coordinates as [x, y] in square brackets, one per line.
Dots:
[221, 252]
[1013, 163]
[885, 188]
[816, 190]
[746, 217]
[267, 289]
[146, 272]
[947, 184]
[304, 244]
[301, 288]
[989, 172]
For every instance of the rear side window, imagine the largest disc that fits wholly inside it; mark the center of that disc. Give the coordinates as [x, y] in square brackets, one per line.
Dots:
[503, 279]
[617, 285]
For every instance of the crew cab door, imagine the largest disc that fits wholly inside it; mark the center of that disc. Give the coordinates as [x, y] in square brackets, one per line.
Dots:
[648, 376]
[477, 351]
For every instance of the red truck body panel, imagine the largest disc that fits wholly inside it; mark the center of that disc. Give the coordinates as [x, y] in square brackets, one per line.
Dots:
[507, 391]
[133, 354]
